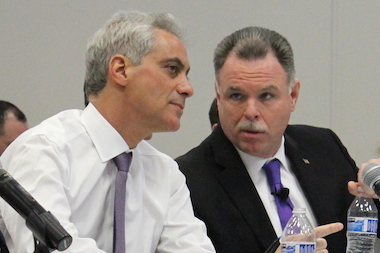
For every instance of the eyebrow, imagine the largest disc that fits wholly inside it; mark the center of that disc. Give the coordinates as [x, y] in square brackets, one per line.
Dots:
[270, 88]
[177, 61]
[235, 88]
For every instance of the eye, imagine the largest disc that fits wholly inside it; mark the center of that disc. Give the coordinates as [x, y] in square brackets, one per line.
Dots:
[266, 96]
[173, 69]
[236, 96]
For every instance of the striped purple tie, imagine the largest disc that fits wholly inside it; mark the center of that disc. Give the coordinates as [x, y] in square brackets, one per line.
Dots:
[122, 162]
[283, 202]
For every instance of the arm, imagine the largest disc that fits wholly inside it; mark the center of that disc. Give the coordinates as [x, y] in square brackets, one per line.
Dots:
[182, 232]
[39, 166]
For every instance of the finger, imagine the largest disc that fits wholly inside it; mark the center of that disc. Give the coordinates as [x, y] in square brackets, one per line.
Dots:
[322, 231]
[357, 189]
[322, 251]
[370, 161]
[321, 243]
[353, 188]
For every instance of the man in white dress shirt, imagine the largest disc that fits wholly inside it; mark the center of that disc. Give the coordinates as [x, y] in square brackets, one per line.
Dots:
[136, 84]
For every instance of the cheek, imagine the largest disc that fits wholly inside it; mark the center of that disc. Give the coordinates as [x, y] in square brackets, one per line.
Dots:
[279, 120]
[230, 115]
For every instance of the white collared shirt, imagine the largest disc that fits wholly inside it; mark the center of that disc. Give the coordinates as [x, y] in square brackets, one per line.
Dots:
[66, 164]
[288, 179]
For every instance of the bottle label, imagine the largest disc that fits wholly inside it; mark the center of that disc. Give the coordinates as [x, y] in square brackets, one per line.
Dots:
[298, 247]
[362, 224]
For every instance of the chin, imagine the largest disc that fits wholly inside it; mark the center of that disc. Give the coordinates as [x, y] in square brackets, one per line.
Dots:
[249, 149]
[172, 126]
[175, 123]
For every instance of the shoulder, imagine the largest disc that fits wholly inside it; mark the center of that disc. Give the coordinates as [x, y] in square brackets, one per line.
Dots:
[49, 137]
[308, 133]
[315, 139]
[150, 154]
[210, 155]
[196, 154]
[292, 129]
[57, 129]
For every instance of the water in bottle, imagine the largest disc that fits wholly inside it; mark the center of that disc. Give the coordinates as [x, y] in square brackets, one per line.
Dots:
[298, 235]
[362, 223]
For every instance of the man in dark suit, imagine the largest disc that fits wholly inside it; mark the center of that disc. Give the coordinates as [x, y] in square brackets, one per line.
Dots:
[256, 92]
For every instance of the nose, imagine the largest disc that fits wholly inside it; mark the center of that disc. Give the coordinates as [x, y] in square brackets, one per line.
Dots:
[185, 88]
[252, 110]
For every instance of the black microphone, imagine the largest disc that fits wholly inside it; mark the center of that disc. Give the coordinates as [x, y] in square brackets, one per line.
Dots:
[283, 194]
[371, 177]
[43, 224]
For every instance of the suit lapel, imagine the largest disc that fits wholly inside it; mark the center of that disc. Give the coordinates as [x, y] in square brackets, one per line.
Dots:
[236, 181]
[305, 167]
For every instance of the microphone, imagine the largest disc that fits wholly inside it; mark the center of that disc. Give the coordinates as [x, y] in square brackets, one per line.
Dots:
[371, 177]
[283, 194]
[43, 224]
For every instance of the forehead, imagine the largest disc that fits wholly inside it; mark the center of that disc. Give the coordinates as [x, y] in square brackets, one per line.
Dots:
[168, 46]
[259, 71]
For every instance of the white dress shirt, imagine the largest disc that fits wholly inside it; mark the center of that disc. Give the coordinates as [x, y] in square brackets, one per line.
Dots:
[66, 164]
[288, 179]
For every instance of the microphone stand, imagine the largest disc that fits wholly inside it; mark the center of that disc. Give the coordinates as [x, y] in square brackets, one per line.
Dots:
[40, 248]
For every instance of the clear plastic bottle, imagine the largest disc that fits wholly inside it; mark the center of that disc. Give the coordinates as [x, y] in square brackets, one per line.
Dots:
[362, 223]
[298, 235]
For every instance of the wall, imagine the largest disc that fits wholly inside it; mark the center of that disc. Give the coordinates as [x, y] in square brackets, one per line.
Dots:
[335, 44]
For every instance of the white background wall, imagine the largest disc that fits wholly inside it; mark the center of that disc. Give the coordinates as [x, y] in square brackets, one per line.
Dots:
[336, 46]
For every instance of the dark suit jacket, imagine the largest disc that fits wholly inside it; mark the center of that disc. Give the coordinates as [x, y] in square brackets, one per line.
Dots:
[225, 198]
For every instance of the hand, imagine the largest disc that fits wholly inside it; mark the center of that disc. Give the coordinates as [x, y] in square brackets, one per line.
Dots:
[325, 230]
[359, 188]
[322, 231]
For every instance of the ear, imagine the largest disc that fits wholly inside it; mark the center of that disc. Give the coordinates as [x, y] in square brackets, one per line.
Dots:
[117, 69]
[294, 94]
[216, 86]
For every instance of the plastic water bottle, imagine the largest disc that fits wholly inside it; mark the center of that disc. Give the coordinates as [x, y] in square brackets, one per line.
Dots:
[298, 235]
[361, 226]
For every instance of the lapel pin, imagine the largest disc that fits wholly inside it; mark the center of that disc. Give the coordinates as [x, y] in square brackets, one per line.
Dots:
[306, 161]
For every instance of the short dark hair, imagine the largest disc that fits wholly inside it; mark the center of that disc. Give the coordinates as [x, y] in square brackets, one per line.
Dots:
[7, 107]
[213, 113]
[253, 43]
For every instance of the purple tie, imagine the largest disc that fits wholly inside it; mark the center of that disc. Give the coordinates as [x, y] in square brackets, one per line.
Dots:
[122, 162]
[283, 202]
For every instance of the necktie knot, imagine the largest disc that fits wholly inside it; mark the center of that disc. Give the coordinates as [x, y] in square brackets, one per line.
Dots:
[123, 161]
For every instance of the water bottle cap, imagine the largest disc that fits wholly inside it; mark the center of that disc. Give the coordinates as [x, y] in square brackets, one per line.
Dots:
[299, 210]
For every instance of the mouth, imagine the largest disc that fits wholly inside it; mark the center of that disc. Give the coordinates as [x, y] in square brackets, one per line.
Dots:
[181, 106]
[252, 132]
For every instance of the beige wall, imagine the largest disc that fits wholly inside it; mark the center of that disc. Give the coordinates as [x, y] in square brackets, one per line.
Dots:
[336, 45]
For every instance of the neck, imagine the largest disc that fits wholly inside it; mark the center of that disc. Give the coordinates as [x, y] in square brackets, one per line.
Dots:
[121, 120]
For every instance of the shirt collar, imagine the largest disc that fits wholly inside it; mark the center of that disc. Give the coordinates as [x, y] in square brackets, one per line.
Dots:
[107, 141]
[254, 163]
